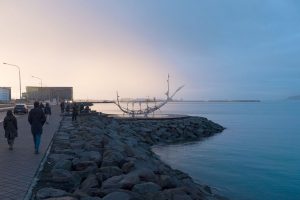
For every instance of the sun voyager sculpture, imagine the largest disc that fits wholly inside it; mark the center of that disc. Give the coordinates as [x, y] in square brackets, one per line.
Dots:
[148, 109]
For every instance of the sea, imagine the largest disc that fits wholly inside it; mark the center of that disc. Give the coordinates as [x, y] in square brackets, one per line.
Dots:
[257, 157]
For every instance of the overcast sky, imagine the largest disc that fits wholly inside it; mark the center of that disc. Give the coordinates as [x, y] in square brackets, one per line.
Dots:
[234, 49]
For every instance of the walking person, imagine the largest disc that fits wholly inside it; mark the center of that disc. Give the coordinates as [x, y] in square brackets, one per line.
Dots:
[62, 107]
[47, 112]
[74, 112]
[37, 119]
[42, 106]
[11, 128]
[68, 107]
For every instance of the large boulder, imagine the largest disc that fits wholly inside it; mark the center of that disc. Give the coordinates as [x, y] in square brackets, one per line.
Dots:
[127, 167]
[77, 144]
[65, 176]
[145, 188]
[50, 192]
[90, 182]
[113, 182]
[129, 181]
[167, 182]
[117, 196]
[80, 165]
[91, 156]
[91, 198]
[176, 193]
[147, 175]
[62, 198]
[112, 158]
[58, 156]
[63, 164]
[107, 172]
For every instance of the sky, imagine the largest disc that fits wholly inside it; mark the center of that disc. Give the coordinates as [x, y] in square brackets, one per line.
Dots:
[234, 49]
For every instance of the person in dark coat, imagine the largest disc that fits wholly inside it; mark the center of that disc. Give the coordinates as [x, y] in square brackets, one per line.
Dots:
[81, 107]
[68, 107]
[42, 106]
[74, 112]
[62, 107]
[11, 128]
[47, 111]
[37, 119]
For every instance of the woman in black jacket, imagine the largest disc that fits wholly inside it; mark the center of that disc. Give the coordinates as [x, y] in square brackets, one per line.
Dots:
[11, 128]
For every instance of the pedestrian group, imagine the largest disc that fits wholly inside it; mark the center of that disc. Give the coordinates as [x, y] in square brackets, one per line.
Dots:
[38, 116]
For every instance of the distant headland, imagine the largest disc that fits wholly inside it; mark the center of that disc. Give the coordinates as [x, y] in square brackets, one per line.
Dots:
[294, 97]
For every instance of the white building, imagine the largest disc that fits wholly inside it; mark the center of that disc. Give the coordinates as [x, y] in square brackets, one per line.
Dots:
[5, 94]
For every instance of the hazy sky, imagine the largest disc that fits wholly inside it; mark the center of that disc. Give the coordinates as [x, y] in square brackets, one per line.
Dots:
[234, 49]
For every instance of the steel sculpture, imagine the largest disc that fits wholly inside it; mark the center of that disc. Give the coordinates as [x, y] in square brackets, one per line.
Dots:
[132, 112]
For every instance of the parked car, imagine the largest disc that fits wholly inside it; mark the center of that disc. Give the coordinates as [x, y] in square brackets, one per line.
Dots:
[20, 108]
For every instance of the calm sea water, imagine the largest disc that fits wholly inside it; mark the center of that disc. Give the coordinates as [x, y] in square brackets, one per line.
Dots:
[256, 158]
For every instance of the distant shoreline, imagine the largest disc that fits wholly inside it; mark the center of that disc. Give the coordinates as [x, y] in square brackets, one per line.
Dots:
[218, 101]
[193, 101]
[179, 101]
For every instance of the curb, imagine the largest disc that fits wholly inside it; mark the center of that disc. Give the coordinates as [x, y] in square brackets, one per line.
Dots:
[28, 195]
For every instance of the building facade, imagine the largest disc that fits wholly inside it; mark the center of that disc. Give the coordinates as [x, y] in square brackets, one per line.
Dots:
[5, 94]
[49, 93]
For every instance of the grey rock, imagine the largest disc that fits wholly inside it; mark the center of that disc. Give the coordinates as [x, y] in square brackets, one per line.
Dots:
[57, 157]
[117, 196]
[167, 182]
[87, 171]
[182, 197]
[80, 165]
[129, 181]
[207, 189]
[62, 198]
[122, 146]
[62, 150]
[77, 145]
[91, 156]
[50, 192]
[128, 150]
[127, 167]
[111, 158]
[91, 198]
[148, 187]
[107, 172]
[113, 182]
[147, 175]
[90, 182]
[64, 176]
[173, 193]
[63, 164]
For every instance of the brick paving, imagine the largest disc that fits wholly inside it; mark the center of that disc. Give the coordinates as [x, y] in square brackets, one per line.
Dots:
[18, 167]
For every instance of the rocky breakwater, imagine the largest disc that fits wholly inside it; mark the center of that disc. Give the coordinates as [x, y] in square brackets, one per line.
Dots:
[111, 159]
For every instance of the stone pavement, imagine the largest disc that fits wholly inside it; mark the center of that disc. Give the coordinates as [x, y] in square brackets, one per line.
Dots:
[18, 167]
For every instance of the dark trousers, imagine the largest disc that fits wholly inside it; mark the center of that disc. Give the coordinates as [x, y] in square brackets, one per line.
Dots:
[10, 141]
[74, 116]
[37, 141]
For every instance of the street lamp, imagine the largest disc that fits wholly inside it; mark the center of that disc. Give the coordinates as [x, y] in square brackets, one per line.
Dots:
[39, 79]
[41, 84]
[19, 77]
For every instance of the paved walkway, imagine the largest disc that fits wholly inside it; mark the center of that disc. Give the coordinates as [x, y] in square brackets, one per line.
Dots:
[18, 167]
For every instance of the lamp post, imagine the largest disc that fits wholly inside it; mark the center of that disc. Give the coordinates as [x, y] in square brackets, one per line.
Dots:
[41, 84]
[19, 76]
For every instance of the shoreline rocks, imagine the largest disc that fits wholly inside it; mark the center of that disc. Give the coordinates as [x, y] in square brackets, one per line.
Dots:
[99, 157]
